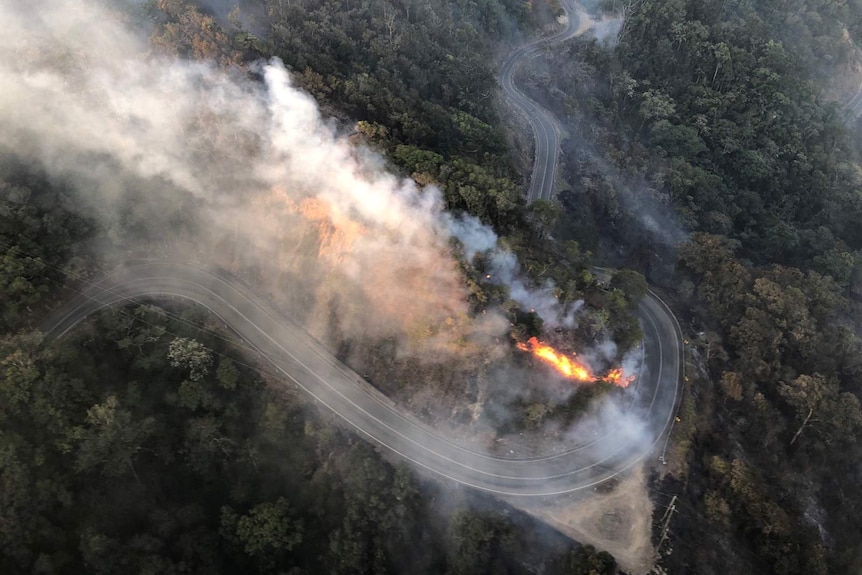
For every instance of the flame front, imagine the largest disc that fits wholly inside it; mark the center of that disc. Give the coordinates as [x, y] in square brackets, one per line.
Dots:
[565, 365]
[571, 367]
[617, 377]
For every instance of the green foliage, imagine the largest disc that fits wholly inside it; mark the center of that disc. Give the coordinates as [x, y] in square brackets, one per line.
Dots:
[114, 475]
[535, 414]
[139, 445]
[190, 355]
[110, 439]
[421, 69]
[631, 283]
[467, 186]
[227, 374]
[545, 215]
[17, 272]
[266, 531]
[37, 235]
[587, 561]
[835, 417]
[738, 101]
[719, 110]
[478, 540]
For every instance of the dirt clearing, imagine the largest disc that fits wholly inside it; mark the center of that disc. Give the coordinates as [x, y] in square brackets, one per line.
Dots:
[617, 519]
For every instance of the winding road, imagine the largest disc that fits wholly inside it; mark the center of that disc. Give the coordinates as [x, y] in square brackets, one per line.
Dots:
[304, 362]
[546, 130]
[853, 107]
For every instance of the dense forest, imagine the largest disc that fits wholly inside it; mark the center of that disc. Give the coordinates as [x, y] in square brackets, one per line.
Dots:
[452, 138]
[705, 149]
[146, 445]
[722, 113]
[150, 440]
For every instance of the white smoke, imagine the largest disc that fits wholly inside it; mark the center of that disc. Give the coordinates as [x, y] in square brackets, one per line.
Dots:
[604, 26]
[542, 301]
[617, 431]
[84, 98]
[475, 236]
[505, 270]
[606, 29]
[270, 185]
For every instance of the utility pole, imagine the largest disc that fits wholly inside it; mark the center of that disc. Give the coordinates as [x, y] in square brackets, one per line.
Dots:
[666, 518]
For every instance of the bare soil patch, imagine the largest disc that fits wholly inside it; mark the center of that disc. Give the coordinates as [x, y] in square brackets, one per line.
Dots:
[615, 518]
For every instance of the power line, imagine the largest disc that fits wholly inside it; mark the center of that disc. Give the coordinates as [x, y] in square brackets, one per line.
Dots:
[705, 523]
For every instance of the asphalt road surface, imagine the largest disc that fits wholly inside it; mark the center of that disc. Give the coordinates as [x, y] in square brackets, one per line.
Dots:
[544, 124]
[853, 108]
[304, 362]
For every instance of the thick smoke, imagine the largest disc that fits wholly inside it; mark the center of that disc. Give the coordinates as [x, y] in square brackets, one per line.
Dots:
[607, 29]
[226, 171]
[504, 269]
[255, 165]
[351, 247]
[603, 25]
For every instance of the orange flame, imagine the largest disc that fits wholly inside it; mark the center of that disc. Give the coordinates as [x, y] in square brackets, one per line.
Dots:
[571, 367]
[565, 365]
[617, 377]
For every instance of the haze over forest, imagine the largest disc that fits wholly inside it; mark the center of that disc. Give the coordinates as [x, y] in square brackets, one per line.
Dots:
[357, 169]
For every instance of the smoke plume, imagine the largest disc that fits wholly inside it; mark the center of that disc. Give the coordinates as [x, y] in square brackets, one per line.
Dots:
[252, 163]
[504, 268]
[270, 184]
[239, 170]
